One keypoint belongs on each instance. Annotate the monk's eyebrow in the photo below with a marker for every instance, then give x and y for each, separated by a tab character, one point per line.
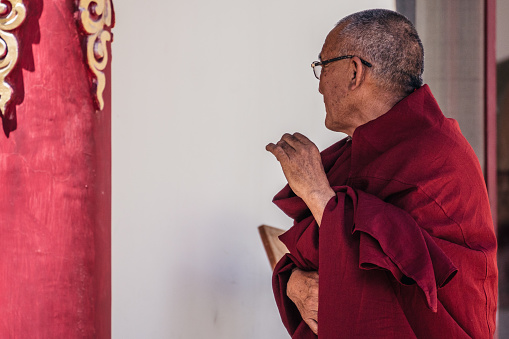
320	56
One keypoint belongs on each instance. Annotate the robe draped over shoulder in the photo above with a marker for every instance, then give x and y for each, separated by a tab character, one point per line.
406	248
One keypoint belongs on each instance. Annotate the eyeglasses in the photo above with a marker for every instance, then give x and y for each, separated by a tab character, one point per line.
317	65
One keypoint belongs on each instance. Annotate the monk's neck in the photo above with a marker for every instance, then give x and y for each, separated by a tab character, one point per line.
372	108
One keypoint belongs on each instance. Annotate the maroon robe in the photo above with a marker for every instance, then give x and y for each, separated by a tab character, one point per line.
407	247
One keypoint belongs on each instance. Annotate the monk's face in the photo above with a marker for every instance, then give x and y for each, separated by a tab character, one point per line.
334	81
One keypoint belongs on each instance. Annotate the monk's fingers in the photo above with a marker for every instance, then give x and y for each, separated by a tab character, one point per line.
311	304
298	141
277	151
302	138
302	145
313	325
289	150
270	147
291	140
311	318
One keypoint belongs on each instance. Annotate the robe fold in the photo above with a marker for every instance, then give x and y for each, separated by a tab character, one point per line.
406	248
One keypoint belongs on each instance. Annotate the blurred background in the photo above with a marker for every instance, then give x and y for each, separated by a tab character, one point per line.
199	89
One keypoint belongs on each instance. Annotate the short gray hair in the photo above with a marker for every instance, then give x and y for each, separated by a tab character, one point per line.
389	41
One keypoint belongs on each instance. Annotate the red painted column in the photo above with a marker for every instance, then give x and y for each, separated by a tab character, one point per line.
55	186
491	105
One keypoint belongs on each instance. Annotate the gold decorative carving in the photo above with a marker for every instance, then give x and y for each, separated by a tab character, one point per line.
12	15
96	18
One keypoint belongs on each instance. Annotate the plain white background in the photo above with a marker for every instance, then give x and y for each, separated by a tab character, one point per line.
199	88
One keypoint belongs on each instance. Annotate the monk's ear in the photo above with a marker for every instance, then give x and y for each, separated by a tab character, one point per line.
357	73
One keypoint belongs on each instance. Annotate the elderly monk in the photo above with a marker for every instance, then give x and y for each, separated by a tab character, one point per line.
392	234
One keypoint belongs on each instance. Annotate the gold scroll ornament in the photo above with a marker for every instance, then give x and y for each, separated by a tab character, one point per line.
12	14
96	17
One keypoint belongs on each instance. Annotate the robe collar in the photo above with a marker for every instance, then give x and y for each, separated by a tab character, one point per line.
411	116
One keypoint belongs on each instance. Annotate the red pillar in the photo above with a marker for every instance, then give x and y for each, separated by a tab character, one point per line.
55	185
490	102
490	107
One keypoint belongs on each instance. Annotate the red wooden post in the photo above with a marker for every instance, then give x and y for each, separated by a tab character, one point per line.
55	181
491	105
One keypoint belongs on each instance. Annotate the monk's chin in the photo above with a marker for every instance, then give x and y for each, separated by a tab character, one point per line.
328	124
331	126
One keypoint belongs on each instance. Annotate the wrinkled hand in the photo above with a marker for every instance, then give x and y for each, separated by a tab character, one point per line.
302	289
302	165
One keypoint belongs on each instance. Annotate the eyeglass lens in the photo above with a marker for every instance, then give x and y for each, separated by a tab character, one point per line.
318	70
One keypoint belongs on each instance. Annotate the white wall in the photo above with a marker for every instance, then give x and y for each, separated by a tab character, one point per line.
199	88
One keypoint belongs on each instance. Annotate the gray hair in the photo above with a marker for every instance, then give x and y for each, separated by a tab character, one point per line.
389	41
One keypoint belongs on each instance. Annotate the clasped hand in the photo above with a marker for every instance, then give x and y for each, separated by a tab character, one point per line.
302	289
